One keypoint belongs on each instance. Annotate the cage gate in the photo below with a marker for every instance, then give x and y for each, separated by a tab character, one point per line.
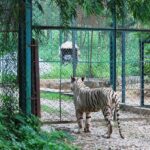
108	52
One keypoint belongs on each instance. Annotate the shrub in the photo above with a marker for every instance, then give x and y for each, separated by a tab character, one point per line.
20	132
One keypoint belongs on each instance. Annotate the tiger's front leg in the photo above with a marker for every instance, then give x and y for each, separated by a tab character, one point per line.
108	118
87	122
79	116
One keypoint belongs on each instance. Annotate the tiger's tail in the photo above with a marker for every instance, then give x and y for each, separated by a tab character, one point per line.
116	113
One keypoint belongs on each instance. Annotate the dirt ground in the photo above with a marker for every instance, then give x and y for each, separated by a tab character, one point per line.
136	129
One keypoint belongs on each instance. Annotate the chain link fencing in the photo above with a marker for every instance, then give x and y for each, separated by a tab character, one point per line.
91	59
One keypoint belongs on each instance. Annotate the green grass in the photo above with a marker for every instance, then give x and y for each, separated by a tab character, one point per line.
101	70
53	110
54	96
98	70
65	70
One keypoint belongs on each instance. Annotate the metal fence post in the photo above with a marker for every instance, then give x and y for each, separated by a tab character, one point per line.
111	57
142	72
114	45
123	48
88	54
25	21
28	54
60	72
123	68
21	57
74	49
36	110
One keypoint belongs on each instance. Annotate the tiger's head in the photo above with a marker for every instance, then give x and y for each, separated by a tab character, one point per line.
76	83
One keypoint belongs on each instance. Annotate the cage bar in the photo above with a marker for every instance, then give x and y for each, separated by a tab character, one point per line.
25	27
35	92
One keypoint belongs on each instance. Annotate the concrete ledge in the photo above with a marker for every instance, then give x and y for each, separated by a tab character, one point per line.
54	90
64	92
135	109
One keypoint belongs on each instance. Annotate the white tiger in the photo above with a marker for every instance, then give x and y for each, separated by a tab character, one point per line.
92	100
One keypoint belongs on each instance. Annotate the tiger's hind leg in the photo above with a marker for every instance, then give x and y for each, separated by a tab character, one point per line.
79	116
87	122
108	118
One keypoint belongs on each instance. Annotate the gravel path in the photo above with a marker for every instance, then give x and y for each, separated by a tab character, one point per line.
136	129
136	132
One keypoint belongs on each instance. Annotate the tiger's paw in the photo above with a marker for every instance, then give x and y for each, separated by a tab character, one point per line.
107	136
80	131
87	130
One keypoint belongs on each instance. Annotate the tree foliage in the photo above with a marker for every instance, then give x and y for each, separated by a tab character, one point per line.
139	9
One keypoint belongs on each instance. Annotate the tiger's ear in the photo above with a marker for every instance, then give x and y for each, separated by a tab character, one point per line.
82	78
73	79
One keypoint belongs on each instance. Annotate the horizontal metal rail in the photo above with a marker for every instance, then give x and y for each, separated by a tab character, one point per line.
94	120
83	28
119	62
88	28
